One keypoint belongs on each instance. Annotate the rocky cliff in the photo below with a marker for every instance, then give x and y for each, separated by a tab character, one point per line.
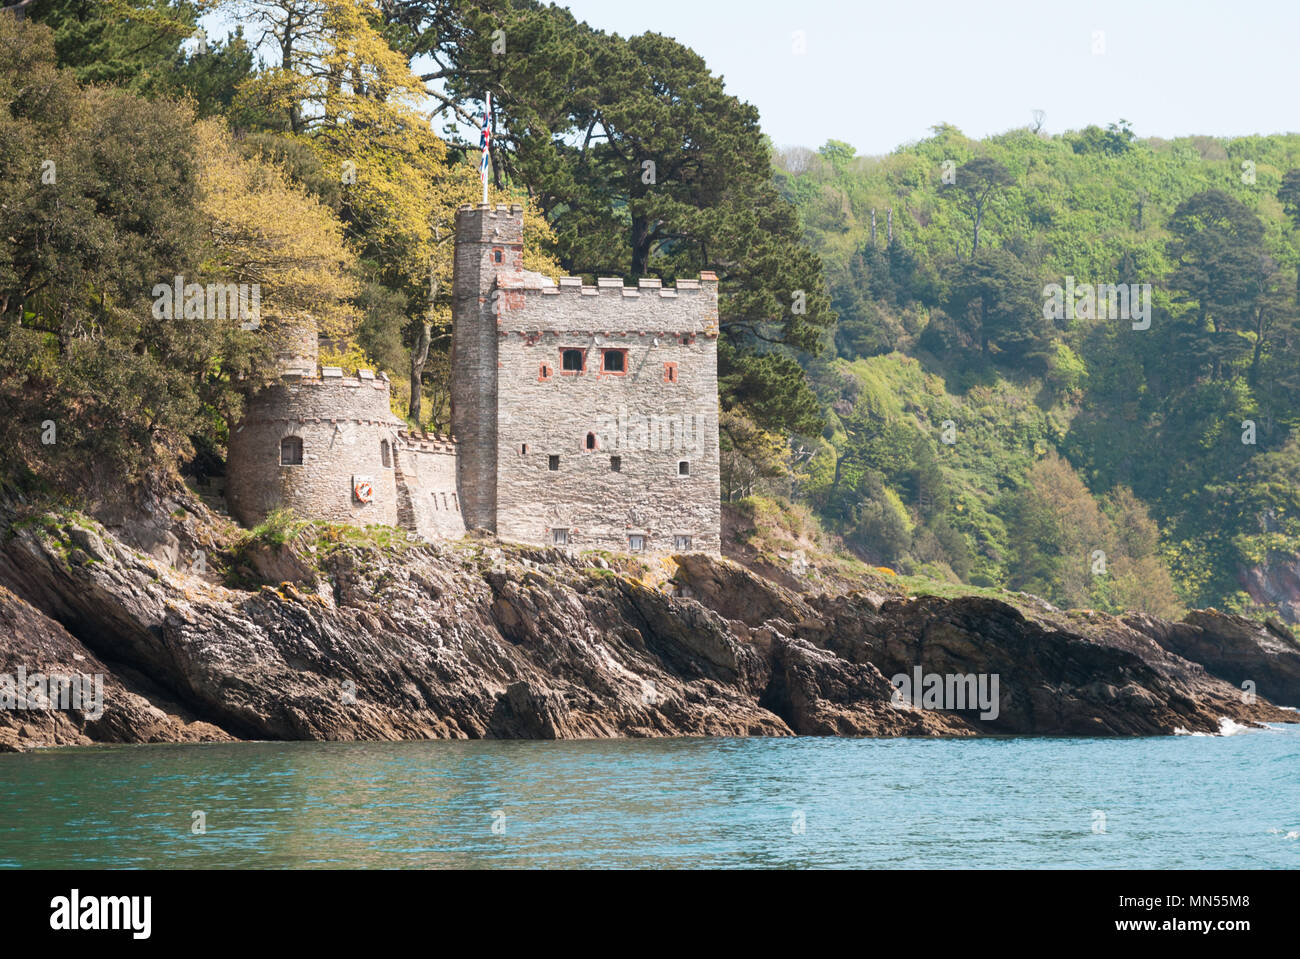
1275	583
321	632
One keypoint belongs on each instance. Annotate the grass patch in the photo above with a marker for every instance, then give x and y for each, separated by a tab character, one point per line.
276	530
924	586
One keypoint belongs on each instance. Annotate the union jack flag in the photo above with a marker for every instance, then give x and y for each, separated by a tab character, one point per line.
485	140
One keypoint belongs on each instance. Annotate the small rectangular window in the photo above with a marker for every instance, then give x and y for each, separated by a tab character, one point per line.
573	361
684	468
560	537
636	543
613	361
616	464
682	543
291	451
552	462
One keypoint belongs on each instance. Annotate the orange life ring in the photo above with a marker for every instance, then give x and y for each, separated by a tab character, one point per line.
364	490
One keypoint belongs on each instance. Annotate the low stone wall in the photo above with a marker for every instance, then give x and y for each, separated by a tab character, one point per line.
428	499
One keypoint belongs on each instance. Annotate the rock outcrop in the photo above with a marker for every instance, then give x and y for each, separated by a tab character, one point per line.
1234	649
342	634
1275	583
128	707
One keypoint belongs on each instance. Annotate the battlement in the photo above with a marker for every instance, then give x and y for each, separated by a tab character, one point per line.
507	209
483	223
425	442
333	376
330	399
687	308
608	286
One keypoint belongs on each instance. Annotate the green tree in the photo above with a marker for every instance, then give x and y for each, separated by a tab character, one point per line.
1115	140
772	386
873	443
100	207
1288	195
993	298
132	43
1216	243
209	74
977	182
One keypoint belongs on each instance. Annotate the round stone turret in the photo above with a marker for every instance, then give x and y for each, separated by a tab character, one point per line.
321	446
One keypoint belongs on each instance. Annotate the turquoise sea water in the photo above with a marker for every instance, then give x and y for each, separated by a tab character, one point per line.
1171	802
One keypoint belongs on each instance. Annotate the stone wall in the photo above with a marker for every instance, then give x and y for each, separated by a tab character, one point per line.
297	349
661	412
342	422
428	500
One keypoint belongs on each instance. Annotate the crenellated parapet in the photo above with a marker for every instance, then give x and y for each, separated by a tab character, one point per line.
609	307
425	442
328	398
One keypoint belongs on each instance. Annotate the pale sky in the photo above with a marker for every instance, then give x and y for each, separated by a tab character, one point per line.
879	75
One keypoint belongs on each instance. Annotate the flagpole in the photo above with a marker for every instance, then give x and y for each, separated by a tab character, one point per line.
487	162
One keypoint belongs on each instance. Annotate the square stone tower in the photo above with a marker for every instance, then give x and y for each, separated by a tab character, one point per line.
489	243
586	416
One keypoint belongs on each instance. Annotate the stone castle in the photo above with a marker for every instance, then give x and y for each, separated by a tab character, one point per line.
582	416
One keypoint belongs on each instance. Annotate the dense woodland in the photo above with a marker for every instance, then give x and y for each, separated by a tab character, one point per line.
902	382
1171	449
